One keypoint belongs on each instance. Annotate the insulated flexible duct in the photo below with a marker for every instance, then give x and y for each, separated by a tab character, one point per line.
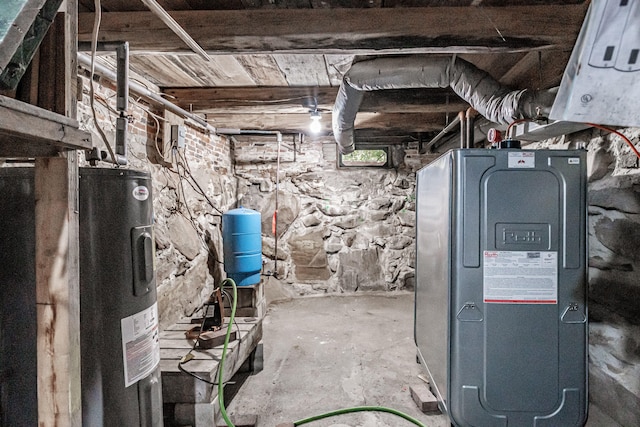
491	99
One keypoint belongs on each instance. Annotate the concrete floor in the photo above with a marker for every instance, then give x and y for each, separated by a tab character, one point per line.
330	352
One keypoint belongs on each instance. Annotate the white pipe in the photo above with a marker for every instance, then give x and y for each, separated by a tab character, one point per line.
176	28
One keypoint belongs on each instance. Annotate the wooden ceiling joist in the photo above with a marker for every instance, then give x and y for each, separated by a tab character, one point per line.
282	99
387	122
202	99
357	31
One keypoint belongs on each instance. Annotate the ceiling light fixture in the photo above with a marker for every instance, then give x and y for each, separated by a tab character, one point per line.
315	126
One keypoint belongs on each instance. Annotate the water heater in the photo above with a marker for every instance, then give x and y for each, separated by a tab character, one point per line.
120	383
120	347
501	289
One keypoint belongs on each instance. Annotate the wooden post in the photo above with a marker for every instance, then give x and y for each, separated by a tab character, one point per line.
71	59
57	292
57	266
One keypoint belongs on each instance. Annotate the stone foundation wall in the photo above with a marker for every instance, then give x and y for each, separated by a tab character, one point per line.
614	270
191	188
339	229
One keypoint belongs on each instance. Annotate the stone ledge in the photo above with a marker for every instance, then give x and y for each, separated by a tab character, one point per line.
614	372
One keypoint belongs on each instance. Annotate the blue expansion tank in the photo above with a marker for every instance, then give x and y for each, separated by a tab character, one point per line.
242	245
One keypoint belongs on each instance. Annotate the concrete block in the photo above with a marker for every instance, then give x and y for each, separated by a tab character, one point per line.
423	397
197	414
286	425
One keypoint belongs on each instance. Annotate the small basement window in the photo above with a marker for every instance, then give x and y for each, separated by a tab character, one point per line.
366	157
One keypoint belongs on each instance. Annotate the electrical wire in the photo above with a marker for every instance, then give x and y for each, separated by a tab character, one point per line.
627	140
254	101
513	123
157	119
184	195
94	48
359	409
186	357
200	191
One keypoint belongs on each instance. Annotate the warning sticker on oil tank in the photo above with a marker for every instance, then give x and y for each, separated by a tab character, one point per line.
140	344
520	277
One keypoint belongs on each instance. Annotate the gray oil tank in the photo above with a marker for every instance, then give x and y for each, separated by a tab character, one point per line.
501	286
119	314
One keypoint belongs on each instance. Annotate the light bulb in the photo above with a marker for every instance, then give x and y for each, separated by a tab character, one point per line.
315	126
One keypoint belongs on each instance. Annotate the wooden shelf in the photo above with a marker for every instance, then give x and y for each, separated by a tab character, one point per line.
195	402
30	131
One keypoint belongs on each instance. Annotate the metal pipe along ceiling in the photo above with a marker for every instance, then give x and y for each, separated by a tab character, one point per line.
490	98
85	61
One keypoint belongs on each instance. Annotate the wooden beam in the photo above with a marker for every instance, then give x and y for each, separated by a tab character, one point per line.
25	150
538	70
282	99
57	292
57	235
51	68
410	122
70	61
209	98
369	30
25	124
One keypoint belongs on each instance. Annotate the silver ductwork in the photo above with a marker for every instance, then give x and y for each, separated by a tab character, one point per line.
491	99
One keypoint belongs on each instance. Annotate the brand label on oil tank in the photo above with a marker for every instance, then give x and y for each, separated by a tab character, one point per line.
520	277
522	159
140	344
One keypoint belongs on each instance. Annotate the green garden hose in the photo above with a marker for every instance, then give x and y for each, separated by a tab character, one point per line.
359	409
223	410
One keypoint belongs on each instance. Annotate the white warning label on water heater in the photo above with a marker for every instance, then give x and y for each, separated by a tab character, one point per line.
520	277
140	344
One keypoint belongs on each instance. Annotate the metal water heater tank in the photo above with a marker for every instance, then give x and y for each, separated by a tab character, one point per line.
119	314
242	245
